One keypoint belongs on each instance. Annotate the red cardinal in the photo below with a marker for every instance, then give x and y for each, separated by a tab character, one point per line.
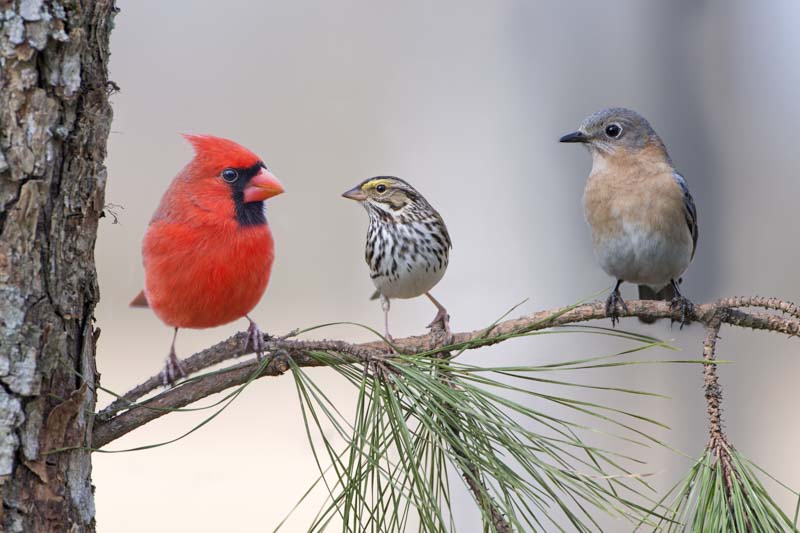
208	250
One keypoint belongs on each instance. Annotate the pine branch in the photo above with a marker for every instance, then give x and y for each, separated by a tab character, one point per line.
722	491
718	443
124	415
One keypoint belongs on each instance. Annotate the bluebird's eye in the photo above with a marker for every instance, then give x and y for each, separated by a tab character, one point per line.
613	130
381	188
230	175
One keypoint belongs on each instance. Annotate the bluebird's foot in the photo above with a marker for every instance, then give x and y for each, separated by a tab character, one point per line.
173	370
682	304
614	302
255	338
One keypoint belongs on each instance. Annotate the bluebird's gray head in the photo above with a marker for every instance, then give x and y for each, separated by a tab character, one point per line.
615	129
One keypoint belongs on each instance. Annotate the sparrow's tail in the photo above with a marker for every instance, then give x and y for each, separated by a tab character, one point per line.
646	293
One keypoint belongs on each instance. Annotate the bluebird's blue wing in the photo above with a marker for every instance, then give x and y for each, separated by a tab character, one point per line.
690	211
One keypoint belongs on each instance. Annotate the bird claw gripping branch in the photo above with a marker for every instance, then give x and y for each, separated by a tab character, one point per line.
255	338
686	308
614	303
173	370
441	322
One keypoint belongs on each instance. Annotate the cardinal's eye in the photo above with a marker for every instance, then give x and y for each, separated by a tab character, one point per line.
230	175
381	188
613	130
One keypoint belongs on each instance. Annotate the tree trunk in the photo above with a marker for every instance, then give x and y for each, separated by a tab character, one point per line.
54	124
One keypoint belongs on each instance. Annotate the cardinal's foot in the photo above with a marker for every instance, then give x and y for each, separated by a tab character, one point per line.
173	370
255	338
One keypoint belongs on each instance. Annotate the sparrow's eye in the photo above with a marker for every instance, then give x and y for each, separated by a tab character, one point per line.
230	175
613	130
381	188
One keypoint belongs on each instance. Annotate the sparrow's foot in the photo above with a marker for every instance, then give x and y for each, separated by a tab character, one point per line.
614	303
390	342
255	338
682	304
173	370
442	319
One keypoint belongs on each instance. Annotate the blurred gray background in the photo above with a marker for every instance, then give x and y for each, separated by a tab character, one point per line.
466	100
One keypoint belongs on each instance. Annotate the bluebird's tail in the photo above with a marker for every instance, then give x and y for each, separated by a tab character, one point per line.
646	293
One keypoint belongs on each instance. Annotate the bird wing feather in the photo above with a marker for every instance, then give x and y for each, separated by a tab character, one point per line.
690	211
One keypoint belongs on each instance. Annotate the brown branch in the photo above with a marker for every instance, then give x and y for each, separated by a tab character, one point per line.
718	441
759	301
713	391
111	424
478	488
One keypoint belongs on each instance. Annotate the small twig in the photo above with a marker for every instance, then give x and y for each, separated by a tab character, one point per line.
713	391
759	301
718	441
484	499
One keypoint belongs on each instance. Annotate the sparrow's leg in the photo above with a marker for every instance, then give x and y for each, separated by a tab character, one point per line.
385	306
173	369
614	302
441	316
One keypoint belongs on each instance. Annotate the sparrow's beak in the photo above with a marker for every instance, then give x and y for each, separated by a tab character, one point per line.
355	194
574	137
262	186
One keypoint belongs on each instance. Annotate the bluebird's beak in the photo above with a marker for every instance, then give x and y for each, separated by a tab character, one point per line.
574	137
355	194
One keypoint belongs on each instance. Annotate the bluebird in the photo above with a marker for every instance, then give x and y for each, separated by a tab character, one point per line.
641	214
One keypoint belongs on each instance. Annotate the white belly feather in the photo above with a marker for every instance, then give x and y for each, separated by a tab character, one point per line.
643	257
414	278
420	261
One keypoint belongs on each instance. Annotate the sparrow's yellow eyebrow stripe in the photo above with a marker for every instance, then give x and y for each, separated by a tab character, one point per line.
374	183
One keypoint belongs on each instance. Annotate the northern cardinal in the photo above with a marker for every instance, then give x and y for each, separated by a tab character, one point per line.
208	250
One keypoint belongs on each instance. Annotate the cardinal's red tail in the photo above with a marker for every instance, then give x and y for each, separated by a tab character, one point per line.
140	300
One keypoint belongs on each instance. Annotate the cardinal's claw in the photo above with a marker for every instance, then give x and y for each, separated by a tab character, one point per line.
173	370
255	338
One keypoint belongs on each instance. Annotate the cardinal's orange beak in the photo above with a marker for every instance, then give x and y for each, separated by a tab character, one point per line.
262	186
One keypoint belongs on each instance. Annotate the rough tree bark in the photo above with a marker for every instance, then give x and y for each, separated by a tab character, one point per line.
54	124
